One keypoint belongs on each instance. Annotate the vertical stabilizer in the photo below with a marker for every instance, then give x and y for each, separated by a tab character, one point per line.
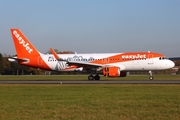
23	46
27	54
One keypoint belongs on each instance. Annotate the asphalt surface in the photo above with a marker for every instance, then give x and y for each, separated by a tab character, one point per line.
89	82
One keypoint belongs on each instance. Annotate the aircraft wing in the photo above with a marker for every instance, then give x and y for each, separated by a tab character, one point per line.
76	63
81	64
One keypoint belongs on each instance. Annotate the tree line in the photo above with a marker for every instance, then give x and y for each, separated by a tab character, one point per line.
12	68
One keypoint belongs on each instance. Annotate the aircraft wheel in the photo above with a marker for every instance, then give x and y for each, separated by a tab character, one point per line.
90	77
97	77
150	75
151	78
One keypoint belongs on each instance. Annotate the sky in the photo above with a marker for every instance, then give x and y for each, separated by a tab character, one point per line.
93	26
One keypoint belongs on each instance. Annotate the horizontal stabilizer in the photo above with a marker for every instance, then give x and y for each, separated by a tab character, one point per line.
15	59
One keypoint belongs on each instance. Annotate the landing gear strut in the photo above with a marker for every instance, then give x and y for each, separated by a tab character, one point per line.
150	75
96	77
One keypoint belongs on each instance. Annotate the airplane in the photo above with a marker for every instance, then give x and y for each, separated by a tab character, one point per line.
107	64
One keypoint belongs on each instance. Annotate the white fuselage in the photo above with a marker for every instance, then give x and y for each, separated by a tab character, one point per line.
125	64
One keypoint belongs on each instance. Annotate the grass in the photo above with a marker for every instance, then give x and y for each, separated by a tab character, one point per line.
84	77
90	102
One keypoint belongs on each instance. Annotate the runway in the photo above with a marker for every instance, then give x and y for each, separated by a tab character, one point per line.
89	82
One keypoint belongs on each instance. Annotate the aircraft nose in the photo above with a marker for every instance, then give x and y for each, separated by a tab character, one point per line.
171	64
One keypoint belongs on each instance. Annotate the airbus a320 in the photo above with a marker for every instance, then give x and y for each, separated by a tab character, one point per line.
108	64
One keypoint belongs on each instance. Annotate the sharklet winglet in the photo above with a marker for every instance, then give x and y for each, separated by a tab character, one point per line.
55	55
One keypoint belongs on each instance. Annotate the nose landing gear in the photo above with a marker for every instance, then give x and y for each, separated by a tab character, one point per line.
150	75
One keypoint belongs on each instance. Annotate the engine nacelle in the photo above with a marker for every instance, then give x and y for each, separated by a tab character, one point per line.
113	72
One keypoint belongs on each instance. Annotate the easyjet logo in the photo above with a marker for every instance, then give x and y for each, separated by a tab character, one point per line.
136	56
22	42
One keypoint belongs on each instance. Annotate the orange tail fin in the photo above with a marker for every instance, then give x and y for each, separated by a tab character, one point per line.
24	48
26	52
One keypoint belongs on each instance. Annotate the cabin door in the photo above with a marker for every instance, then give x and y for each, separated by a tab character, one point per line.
150	59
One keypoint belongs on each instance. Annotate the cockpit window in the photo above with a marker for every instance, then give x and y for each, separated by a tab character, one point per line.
163	58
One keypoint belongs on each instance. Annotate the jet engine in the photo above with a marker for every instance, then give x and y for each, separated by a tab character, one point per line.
113	72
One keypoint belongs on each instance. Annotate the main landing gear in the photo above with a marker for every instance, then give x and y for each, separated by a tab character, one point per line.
150	75
96	77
